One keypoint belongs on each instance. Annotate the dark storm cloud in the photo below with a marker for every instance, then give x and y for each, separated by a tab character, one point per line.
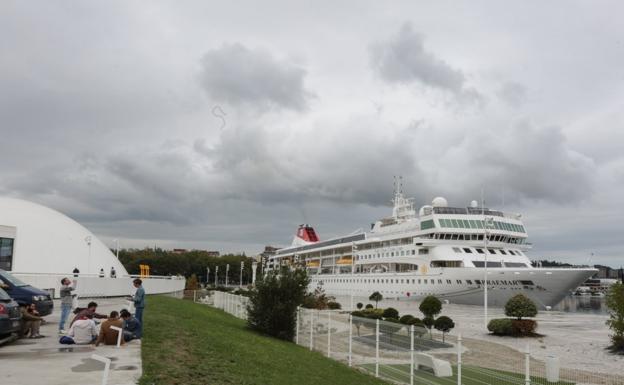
404	60
240	76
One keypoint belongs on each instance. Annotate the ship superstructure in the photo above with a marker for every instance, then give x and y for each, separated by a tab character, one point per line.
440	250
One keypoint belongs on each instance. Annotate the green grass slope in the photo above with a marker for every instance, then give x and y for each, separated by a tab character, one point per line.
188	343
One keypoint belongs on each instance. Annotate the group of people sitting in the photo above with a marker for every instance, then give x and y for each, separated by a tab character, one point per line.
83	329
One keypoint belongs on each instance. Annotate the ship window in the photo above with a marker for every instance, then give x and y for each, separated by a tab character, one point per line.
466	223
469	282
413	281
467	250
473	224
449	281
439	281
490	264
455	224
425	281
459	281
492	251
503	252
515	264
480	251
413	252
433	281
478	281
423	251
457	249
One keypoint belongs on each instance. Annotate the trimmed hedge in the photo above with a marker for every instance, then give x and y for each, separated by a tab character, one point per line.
500	326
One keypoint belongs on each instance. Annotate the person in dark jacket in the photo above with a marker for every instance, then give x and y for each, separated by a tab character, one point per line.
131	326
139	300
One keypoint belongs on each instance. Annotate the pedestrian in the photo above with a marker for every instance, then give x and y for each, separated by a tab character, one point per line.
102	275
113	273
139	300
131	326
67	300
76	271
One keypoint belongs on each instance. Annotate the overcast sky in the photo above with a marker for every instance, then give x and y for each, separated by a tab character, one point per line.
224	125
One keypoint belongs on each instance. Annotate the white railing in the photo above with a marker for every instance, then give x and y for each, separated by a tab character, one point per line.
407	354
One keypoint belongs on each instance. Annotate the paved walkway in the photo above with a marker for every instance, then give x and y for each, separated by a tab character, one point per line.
45	361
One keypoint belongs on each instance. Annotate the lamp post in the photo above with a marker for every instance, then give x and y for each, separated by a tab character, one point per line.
227	270
116	247
254	267
216	275
207	276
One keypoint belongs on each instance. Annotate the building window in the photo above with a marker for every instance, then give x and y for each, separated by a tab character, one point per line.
6	253
467	250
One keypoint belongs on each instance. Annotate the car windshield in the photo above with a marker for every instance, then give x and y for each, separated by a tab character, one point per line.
4	296
9	278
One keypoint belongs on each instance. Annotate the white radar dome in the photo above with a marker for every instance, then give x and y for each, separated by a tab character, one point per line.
474	204
439	202
425	210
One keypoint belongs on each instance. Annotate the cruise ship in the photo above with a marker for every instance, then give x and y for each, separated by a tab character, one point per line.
443	251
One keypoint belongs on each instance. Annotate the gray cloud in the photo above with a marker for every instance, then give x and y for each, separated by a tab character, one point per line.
404	60
240	76
512	93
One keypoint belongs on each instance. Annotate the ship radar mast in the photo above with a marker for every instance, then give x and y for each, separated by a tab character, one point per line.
403	207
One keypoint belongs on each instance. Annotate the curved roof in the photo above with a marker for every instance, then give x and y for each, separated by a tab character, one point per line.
47	241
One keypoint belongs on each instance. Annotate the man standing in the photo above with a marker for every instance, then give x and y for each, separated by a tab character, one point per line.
139	300
67	300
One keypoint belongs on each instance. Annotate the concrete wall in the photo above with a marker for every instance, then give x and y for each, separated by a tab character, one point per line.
94	286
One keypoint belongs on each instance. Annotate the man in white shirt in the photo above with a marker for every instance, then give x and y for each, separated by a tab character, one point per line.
83	331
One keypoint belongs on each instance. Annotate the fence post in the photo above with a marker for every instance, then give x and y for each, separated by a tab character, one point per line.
527	373
194	295
411	354
297	328
328	333
350	337
459	358
377	348
311	329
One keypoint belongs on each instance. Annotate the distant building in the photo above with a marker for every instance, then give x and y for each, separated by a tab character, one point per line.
212	253
269	251
179	251
209	252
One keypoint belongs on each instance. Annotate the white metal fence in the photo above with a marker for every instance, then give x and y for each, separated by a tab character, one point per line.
414	355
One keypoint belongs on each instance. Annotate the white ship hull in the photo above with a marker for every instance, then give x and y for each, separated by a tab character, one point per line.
547	287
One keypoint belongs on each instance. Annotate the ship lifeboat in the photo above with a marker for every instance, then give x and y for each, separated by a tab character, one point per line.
344	261
313	264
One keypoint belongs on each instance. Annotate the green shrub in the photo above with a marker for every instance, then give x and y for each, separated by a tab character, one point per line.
368	306
615	304
406	319
273	303
359	305
333	305
520	306
500	326
390	313
358	313
373	313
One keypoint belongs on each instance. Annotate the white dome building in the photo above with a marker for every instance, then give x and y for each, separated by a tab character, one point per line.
46	241
40	245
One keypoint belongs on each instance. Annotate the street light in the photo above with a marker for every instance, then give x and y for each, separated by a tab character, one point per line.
227	270
216	275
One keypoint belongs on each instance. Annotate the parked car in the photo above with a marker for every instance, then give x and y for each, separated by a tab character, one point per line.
9	316
23	293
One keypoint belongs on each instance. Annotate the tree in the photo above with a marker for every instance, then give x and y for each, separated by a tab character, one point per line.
615	304
430	306
368	306
191	283
444	324
428	323
376	296
359	305
273	303
520	306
